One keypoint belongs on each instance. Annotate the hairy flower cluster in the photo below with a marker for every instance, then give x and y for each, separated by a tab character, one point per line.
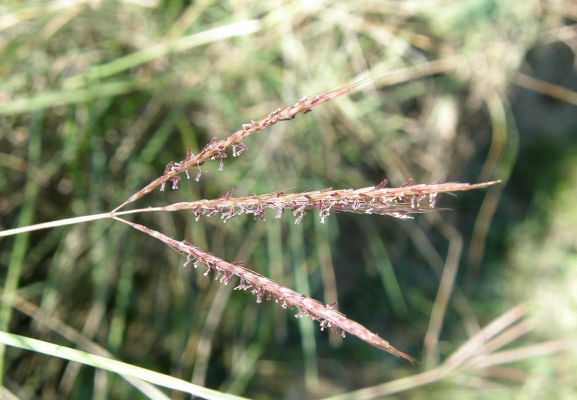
215	149
395	202
263	287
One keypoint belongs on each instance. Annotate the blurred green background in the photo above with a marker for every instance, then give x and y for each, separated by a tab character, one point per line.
97	96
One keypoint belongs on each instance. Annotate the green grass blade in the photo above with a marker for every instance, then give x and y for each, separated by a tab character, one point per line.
306	325
56	98
386	270
162	49
118	367
21	243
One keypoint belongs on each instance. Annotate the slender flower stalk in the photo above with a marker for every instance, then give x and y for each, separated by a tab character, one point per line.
395	202
263	287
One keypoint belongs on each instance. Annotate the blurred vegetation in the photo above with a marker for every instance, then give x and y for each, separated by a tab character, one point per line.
96	97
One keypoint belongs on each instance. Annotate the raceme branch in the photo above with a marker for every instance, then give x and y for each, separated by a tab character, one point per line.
263	287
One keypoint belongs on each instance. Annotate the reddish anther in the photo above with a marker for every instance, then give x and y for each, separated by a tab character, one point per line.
382	184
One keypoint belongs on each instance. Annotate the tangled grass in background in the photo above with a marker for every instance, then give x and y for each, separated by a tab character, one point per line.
96	97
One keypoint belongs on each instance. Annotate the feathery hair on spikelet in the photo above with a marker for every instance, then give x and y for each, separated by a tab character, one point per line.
395	202
215	149
264	287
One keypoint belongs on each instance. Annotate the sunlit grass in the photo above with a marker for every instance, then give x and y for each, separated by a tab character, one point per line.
96	97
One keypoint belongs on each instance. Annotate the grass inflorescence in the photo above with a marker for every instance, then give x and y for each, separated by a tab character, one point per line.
400	203
96	98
